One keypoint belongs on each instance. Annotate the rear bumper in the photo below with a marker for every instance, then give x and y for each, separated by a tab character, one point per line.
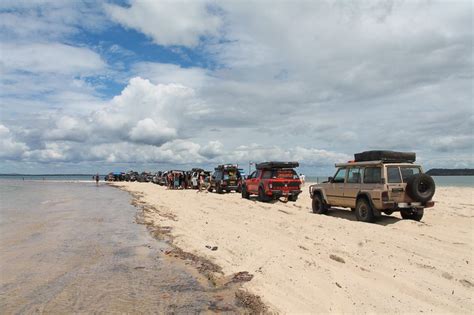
392	205
230	187
283	193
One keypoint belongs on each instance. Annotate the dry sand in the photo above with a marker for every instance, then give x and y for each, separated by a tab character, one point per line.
303	262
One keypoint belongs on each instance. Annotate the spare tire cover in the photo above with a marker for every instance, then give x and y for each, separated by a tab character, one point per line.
420	187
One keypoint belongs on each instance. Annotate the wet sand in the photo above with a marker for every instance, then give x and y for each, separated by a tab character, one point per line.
76	247
308	263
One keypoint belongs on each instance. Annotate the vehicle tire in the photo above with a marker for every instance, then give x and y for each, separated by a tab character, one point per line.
245	194
388	212
210	189
318	205
364	211
261	195
219	189
410	214
293	198
421	187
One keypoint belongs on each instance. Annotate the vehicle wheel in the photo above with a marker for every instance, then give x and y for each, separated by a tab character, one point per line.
210	189
318	205
421	187
219	189
292	198
261	195
227	191
388	212
245	194
364	211
412	214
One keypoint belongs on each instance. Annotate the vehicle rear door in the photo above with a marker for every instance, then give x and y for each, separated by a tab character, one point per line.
394	182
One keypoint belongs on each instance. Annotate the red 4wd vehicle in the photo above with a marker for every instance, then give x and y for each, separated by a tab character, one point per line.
273	180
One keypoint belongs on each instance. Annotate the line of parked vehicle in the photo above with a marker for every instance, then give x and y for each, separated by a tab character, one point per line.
375	182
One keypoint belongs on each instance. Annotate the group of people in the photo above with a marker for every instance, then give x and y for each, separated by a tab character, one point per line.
178	180
184	180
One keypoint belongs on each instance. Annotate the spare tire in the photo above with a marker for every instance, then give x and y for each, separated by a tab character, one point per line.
420	187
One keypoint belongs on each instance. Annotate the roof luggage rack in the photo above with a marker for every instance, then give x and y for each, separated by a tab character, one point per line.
274	164
385	156
226	166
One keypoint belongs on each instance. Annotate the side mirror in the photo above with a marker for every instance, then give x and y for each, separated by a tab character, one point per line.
330	178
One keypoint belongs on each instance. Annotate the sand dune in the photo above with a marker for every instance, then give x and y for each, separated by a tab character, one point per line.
303	262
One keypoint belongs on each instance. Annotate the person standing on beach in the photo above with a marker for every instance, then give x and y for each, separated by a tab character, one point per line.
97	179
302	178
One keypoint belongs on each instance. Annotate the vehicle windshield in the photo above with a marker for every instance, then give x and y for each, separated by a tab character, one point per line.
408	171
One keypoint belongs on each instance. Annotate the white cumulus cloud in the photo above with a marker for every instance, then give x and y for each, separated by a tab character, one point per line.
169	22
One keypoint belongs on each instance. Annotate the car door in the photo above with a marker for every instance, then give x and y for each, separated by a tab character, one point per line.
335	191
352	186
255	181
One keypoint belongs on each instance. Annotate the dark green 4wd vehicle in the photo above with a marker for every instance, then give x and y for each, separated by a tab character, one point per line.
226	178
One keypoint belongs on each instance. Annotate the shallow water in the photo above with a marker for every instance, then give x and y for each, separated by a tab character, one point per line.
74	247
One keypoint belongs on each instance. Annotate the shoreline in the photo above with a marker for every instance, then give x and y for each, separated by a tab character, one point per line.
206	268
296	257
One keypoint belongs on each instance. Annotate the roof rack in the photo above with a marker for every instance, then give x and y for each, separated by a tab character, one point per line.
226	166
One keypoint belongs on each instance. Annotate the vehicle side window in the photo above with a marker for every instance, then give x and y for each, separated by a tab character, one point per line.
340	176
252	175
354	175
267	174
372	175
393	175
259	172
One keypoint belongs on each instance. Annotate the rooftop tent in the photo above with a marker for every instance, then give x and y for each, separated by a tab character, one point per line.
385	156
275	164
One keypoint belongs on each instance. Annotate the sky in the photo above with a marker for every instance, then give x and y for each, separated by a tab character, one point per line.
98	86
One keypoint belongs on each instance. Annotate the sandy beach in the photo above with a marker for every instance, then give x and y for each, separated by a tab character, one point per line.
303	262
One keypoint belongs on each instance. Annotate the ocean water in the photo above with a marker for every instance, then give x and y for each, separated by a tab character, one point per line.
66	178
75	248
442	181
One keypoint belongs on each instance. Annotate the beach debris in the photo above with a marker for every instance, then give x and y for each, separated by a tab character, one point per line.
338	285
466	283
242	276
302	247
251	301
337	258
447	276
139	267
213	248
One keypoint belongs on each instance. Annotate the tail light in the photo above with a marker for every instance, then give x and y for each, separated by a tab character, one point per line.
385	196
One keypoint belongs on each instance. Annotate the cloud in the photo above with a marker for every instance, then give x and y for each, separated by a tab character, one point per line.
308	81
151	132
9	147
48	19
54	58
168	22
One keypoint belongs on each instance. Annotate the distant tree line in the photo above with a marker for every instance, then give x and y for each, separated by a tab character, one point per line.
451	172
